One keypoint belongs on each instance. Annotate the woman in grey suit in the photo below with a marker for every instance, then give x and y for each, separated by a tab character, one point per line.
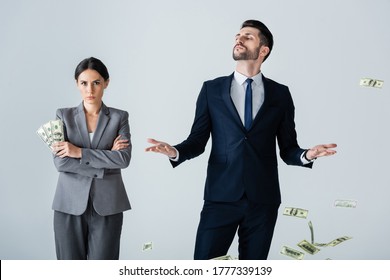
90	197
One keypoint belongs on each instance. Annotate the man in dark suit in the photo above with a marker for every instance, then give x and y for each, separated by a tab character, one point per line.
245	113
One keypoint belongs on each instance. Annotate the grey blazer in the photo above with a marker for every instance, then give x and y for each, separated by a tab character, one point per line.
98	173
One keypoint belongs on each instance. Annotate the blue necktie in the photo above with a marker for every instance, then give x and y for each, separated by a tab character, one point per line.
248	104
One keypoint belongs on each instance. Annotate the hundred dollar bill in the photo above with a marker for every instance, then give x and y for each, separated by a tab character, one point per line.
321	244
47	128
295	212
311	232
42	134
292	253
147	246
308	247
57	130
368	82
345	203
339	240
226	257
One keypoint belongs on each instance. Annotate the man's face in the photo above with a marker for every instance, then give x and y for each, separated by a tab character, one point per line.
247	44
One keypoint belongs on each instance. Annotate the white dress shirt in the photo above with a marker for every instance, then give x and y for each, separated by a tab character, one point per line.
90	137
237	93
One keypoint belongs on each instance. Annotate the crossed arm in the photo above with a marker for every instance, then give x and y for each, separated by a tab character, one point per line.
67	149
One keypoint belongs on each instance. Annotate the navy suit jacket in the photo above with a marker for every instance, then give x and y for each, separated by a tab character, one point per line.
242	161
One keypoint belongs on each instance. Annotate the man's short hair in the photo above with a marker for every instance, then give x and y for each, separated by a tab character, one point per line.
265	35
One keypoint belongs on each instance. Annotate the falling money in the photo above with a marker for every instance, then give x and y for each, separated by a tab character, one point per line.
333	243
368	82
311	232
339	240
226	257
295	212
308	247
345	203
147	246
292	253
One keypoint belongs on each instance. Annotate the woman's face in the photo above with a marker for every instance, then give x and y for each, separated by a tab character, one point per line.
91	85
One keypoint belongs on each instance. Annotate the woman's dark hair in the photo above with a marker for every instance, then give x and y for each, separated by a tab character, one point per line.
94	64
264	33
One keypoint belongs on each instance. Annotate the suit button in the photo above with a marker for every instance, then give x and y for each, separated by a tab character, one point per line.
87	163
95	175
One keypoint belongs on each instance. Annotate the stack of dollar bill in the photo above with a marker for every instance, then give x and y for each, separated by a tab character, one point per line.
51	132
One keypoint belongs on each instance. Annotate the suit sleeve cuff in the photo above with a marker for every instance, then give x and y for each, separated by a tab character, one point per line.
175	159
306	160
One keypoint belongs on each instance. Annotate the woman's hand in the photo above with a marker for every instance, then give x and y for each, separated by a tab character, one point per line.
119	144
66	149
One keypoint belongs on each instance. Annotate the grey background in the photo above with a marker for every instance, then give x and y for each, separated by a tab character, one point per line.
158	54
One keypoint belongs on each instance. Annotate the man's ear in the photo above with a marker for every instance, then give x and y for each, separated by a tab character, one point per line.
264	51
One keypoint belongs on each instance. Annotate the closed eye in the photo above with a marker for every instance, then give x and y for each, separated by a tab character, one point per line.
245	35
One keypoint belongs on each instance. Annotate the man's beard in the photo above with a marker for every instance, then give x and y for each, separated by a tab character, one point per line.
247	55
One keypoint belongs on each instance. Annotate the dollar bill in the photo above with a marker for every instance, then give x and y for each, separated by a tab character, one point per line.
47	128
57	131
42	134
345	203
292	253
311	232
308	247
226	257
148	246
337	241
295	212
368	82
321	244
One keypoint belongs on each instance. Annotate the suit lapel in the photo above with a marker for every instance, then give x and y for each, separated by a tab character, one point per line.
226	87
104	117
81	124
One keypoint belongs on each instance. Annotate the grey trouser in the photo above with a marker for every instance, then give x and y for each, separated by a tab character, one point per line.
88	236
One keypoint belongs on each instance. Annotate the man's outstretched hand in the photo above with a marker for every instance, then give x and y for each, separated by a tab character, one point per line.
161	147
322	150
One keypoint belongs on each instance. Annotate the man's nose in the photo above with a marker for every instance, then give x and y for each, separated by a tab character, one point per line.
239	40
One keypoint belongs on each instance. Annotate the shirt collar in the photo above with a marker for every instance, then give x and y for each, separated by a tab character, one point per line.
240	78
